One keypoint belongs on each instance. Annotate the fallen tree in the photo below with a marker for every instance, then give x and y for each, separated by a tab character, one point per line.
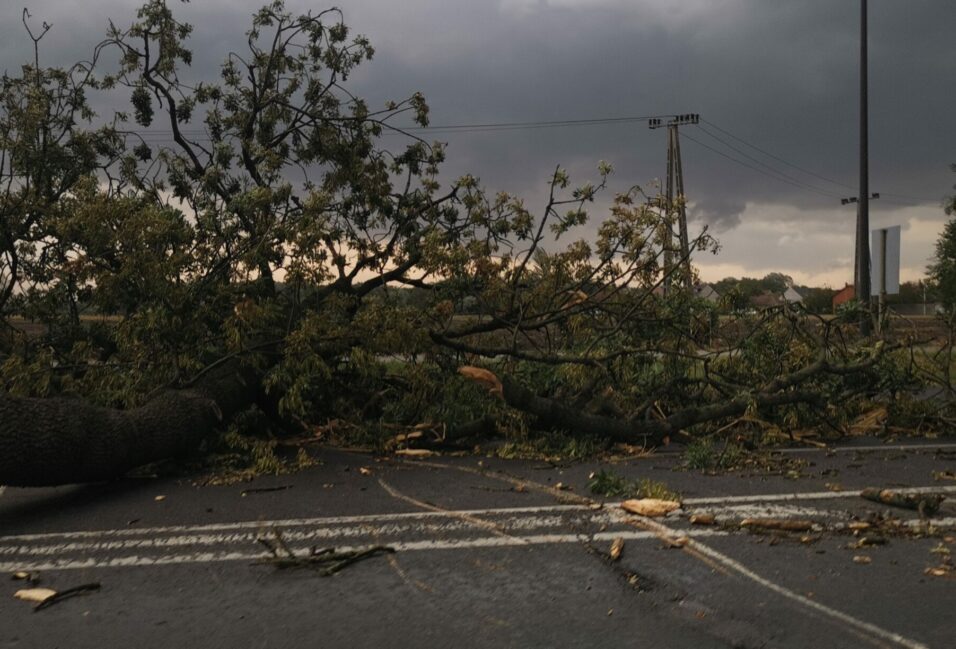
63	440
392	282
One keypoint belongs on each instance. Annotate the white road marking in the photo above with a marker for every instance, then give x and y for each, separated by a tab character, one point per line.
722	559
883	447
379	518
351	526
845	618
518	525
294	522
816	495
400	546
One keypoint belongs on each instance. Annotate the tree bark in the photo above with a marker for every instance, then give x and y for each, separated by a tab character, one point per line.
55	441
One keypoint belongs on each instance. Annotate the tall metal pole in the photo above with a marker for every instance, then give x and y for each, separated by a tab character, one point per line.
862	270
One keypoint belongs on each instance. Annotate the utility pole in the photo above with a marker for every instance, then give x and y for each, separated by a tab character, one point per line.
861	272
675	202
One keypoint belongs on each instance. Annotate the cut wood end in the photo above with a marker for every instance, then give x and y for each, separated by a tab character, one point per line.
483	377
651	507
703	519
38	595
415	452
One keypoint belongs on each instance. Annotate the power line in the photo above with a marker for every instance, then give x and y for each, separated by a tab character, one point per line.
200	135
449	128
774	170
778	158
761	171
802	169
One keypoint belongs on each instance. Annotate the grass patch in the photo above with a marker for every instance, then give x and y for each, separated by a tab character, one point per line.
611	485
704	455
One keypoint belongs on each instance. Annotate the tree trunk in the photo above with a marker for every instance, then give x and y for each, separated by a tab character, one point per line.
45	442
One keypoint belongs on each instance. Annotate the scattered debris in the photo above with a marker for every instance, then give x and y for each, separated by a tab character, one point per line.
415	452
782	524
925	504
651	507
364	470
944	475
46	597
562	487
862	559
870	422
703	519
33	578
262	490
36	595
868	542
940	571
617	548
326	561
677	543
159	498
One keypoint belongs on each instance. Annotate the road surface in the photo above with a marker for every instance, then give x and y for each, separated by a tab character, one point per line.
489	552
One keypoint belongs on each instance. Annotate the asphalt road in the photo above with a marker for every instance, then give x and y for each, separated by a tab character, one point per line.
488	553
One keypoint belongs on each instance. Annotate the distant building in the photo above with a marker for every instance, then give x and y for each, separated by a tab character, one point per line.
706	292
843	296
792	296
766	300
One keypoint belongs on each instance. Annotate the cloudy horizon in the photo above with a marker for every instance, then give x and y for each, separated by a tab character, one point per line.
783	78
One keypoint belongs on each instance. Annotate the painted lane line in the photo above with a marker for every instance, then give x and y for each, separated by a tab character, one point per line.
296	522
522	525
401	546
896	448
875	632
382	534
506	511
757	510
845	618
816	495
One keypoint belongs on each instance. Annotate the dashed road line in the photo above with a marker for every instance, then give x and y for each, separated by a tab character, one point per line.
400	546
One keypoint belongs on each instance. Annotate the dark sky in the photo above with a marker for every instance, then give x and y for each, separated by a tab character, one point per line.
779	75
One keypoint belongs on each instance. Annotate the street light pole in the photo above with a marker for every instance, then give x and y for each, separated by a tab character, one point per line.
862	269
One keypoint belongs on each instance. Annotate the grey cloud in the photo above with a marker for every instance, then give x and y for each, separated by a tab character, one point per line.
782	75
720	216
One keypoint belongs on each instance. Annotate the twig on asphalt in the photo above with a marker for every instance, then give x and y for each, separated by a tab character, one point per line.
326	561
66	594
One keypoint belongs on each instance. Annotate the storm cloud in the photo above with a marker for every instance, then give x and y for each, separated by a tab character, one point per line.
782	76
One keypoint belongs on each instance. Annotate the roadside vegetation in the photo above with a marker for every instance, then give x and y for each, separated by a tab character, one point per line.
271	264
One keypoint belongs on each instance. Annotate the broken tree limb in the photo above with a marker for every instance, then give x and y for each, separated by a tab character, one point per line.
59	596
554	414
324	560
782	524
54	441
925	504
